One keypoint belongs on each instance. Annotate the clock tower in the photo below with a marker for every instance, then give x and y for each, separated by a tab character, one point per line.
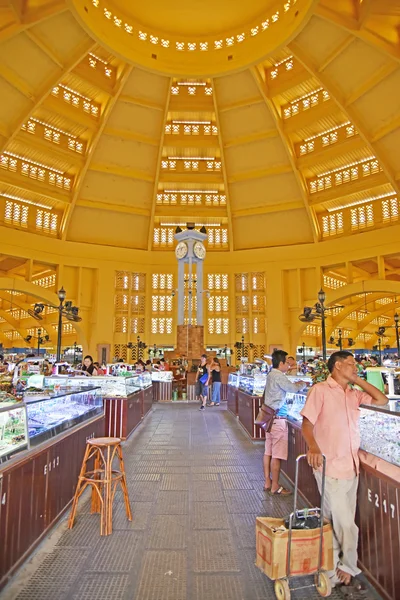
190	253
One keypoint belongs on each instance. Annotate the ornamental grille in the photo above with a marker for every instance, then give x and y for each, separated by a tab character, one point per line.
390	210
162	281
333	283
242	282
125	280
305	103
218	326
46	222
217	281
332	224
242	325
16	214
258	303
362	217
161	304
46	282
257	281
242	304
218	304
161	325
258	325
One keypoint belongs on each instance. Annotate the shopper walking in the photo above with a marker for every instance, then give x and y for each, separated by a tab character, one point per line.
202	381
331	427
276	441
215	371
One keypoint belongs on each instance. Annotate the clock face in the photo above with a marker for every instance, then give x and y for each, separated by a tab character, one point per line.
181	250
199	250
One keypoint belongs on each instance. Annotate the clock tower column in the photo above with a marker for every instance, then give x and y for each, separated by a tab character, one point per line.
190	251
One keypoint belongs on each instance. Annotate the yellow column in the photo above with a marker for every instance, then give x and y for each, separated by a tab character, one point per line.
277	316
101	330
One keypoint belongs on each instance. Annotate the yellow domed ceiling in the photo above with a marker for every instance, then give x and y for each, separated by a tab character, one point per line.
110	137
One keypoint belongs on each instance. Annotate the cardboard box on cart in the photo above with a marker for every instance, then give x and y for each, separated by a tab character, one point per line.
272	546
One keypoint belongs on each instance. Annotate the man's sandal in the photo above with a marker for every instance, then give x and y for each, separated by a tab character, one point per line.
356	589
281	491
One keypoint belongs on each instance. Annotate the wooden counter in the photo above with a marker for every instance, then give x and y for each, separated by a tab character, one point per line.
377	517
36	488
248	407
123	415
162	391
232	399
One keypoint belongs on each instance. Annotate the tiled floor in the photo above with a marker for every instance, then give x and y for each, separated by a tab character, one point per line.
195	484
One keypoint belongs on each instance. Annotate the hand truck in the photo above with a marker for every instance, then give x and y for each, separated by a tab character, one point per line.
322	583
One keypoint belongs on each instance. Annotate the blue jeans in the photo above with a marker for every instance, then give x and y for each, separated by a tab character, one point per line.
216	392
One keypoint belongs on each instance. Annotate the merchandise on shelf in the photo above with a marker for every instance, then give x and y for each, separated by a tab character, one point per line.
233	379
164	376
110	386
51	416
13	429
379	427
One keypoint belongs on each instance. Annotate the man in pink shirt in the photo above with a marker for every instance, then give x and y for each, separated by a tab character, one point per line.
331	427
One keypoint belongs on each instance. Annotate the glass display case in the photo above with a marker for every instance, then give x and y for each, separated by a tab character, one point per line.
110	386
50	416
233	379
144	379
379	427
254	386
13	429
162	376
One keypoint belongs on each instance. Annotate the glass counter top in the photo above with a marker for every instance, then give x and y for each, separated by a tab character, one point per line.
13	430
110	386
379	427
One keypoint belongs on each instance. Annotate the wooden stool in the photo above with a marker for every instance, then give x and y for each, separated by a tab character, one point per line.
103	479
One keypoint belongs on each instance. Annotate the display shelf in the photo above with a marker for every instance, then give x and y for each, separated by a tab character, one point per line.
13	429
379	427
62	411
110	386
163	376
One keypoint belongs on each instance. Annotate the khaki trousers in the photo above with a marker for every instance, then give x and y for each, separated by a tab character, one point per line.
340	508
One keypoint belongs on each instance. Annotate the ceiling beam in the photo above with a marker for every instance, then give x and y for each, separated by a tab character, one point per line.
267	209
128	172
224	168
349	110
379	76
260	173
288	146
352	26
32	18
30	185
141	102
348	189
46	90
125	134
336	52
252	137
158	166
244	103
50	53
91	150
120	208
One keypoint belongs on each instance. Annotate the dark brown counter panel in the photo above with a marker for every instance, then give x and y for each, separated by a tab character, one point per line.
248	407
162	391
123	415
147	400
378	516
35	488
232	399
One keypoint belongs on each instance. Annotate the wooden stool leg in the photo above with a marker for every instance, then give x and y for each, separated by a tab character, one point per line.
77	491
124	485
96	487
107	498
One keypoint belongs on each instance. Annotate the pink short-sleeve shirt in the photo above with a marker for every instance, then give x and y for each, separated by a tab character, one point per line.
335	414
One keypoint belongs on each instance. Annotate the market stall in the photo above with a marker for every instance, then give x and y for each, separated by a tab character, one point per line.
42	442
379	491
162	386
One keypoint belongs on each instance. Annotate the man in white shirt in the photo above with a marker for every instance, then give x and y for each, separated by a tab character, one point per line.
276	441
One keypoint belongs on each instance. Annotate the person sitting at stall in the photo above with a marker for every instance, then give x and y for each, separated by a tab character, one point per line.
149	366
88	366
100	370
164	366
292	370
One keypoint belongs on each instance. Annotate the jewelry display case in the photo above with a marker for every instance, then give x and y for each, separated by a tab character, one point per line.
379	427
233	379
144	379
61	411
13	429
253	385
163	376
110	386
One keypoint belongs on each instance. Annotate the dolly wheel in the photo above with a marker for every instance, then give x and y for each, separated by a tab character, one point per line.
324	588
282	590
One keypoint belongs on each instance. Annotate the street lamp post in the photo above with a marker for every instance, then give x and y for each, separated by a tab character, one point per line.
396	325
40	339
321	310
61	296
65	309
